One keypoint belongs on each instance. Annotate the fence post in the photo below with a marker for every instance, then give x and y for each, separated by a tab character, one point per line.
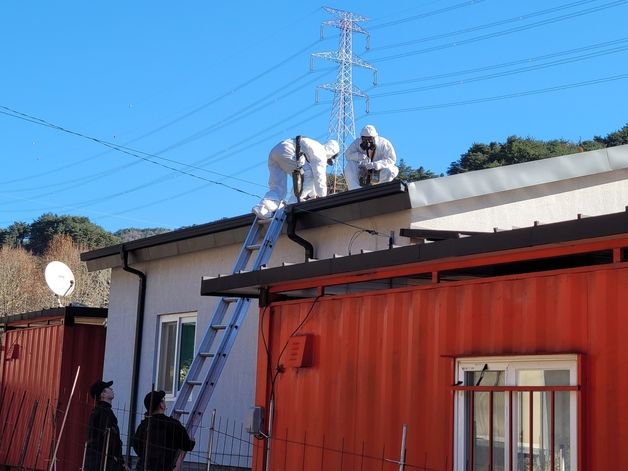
211	440
53	463
84	456
271	409
27	439
104	464
402	456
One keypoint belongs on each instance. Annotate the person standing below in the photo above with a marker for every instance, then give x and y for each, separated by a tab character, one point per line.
370	160
304	155
159	438
104	448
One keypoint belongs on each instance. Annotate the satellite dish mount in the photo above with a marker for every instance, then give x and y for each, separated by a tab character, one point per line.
60	280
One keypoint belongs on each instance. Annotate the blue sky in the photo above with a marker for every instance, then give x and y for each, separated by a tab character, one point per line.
198	92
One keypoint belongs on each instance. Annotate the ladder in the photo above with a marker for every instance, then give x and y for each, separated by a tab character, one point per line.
220	336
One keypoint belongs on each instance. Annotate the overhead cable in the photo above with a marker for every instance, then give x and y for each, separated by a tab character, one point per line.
503	32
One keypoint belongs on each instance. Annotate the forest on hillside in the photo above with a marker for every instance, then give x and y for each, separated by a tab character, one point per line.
25	248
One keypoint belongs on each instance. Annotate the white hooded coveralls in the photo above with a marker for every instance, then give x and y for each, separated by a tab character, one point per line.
282	162
384	159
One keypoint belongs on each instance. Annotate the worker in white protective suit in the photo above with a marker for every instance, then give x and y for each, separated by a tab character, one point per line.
302	159
370	159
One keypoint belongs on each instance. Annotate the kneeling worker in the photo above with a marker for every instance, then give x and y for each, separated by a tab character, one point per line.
308	158
370	159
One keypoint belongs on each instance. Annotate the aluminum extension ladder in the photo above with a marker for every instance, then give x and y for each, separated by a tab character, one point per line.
214	349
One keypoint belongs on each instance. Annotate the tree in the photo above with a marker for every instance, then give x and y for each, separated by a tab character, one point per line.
22	286
409	174
127	235
16	235
91	289
616	138
81	229
516	150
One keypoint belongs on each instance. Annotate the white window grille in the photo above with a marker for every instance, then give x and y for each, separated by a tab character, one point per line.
516	413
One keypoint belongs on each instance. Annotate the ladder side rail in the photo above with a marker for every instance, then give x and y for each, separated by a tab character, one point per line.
245	253
197	363
218	361
272	234
216	366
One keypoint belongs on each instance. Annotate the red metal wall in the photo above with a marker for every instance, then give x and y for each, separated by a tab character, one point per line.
40	380
385	359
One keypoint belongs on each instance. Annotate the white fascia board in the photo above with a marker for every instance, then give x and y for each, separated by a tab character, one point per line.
512	177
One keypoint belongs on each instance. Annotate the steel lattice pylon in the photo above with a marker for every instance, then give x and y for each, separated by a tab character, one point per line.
342	120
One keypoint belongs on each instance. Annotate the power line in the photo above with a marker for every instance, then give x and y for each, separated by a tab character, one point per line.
505	97
528	60
421	16
503	74
124	150
486	25
175	170
108	197
503	32
229	93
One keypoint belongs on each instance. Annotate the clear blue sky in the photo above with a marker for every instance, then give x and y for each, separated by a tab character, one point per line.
214	85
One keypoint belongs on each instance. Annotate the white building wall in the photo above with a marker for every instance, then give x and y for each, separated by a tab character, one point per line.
172	287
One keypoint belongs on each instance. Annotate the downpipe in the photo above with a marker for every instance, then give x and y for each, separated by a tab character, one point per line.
137	351
292	235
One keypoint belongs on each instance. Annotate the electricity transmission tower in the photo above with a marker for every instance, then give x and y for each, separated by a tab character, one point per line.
342	121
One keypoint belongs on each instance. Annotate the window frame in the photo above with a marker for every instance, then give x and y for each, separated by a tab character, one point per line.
180	319
511	365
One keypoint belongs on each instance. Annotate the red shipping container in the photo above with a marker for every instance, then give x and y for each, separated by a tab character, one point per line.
42	352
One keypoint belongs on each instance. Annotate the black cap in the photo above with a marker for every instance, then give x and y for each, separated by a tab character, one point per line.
98	387
152	400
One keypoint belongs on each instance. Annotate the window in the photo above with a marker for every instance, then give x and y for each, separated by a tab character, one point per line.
516	413
176	350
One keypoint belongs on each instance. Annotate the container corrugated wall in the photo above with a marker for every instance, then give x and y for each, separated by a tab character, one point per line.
35	391
385	359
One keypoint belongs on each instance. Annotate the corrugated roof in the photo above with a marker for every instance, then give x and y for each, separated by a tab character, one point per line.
68	313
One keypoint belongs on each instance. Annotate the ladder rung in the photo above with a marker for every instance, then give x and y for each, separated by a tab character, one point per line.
217	345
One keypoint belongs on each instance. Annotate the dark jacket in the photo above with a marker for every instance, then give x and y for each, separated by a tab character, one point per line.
103	422
158	439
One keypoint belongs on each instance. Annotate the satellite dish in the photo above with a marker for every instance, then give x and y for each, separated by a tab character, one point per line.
59	278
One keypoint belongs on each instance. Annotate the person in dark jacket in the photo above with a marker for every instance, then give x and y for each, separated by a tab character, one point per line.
104	447
159	438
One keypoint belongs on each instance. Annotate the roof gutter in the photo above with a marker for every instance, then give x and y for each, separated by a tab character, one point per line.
137	350
292	234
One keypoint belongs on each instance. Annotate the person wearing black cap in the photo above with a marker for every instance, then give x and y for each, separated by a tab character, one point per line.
104	447
159	438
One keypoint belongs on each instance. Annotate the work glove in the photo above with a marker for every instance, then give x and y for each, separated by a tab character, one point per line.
369	165
378	165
